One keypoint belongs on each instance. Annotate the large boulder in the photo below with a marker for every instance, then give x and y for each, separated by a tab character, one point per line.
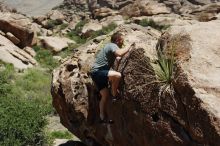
10	53
91	26
144	115
188	115
146	8
56	44
19	26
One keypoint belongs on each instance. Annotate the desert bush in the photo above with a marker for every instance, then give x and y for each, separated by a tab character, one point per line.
22	120
45	58
80	39
51	24
34	85
63	26
153	24
76	33
105	30
68	51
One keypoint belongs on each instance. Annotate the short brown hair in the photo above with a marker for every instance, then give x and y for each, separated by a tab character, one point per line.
115	37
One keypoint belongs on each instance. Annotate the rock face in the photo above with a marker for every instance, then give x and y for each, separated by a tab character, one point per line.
12	54
56	44
189	116
19	26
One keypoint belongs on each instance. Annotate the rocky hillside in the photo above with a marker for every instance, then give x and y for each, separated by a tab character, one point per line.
170	89
202	10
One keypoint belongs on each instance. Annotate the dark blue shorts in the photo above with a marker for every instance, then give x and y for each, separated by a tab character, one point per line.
100	77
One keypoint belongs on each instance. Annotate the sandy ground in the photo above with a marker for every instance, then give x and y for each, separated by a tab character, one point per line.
32	7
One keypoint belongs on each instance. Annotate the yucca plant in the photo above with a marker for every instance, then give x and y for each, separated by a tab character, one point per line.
164	70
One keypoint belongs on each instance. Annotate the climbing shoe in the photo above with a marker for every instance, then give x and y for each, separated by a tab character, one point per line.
106	121
115	98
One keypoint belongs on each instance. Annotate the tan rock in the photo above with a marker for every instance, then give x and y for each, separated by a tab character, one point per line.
118	19
92	25
146	8
12	38
104	12
57	44
204	63
2	33
49	33
56	15
30	51
18	25
10	53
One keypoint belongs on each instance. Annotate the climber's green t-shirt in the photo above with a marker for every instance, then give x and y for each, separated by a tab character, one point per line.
105	57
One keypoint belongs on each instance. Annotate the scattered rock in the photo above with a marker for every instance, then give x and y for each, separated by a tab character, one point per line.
103	12
56	43
12	38
10	53
56	15
19	26
146	8
30	51
118	19
2	33
91	26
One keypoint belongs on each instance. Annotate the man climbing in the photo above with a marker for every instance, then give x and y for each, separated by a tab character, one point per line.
101	73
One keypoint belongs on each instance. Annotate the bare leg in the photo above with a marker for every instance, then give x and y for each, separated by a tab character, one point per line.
103	102
114	78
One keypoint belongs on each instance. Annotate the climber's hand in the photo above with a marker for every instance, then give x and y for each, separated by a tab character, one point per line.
132	46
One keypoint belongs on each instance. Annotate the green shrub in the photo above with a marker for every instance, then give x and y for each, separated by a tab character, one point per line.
63	26
79	26
6	75
79	39
34	85
45	58
36	48
165	69
153	24
76	37
165	73
104	30
21	123
52	24
22	120
68	51
61	135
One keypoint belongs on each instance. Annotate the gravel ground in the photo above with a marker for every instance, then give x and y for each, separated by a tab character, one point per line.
32	7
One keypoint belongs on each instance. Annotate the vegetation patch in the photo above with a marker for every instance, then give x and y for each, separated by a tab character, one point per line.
45	58
170	51
51	24
103	31
153	24
22	119
63	26
68	51
61	135
77	36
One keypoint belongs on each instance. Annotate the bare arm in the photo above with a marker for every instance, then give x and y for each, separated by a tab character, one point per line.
118	59
122	52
